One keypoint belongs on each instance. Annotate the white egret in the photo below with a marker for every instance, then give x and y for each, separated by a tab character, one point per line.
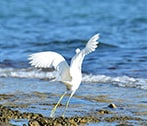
71	75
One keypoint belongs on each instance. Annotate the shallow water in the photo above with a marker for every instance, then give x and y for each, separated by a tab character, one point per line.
115	73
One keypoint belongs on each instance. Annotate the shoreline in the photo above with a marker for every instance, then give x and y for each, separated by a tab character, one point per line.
31	103
106	116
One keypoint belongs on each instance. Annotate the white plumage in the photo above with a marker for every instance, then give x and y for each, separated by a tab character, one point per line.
71	75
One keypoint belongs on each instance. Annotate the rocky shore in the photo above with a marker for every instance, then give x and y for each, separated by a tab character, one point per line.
34	119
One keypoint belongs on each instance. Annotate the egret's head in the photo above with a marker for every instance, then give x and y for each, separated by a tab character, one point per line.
78	50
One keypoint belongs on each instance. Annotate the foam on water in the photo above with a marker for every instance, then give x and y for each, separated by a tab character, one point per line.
26	73
123	81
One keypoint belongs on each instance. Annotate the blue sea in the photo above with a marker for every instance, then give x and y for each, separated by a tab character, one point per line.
28	27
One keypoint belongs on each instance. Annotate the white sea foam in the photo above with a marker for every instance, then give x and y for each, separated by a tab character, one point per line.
123	81
26	73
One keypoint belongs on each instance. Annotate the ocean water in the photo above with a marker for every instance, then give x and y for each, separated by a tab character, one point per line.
32	26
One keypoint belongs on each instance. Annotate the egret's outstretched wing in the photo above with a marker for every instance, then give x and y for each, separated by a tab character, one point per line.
91	45
51	60
78	58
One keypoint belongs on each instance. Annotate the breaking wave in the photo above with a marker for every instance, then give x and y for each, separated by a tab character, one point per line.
122	81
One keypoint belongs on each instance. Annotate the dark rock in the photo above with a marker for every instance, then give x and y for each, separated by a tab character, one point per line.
112	105
33	123
102	111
